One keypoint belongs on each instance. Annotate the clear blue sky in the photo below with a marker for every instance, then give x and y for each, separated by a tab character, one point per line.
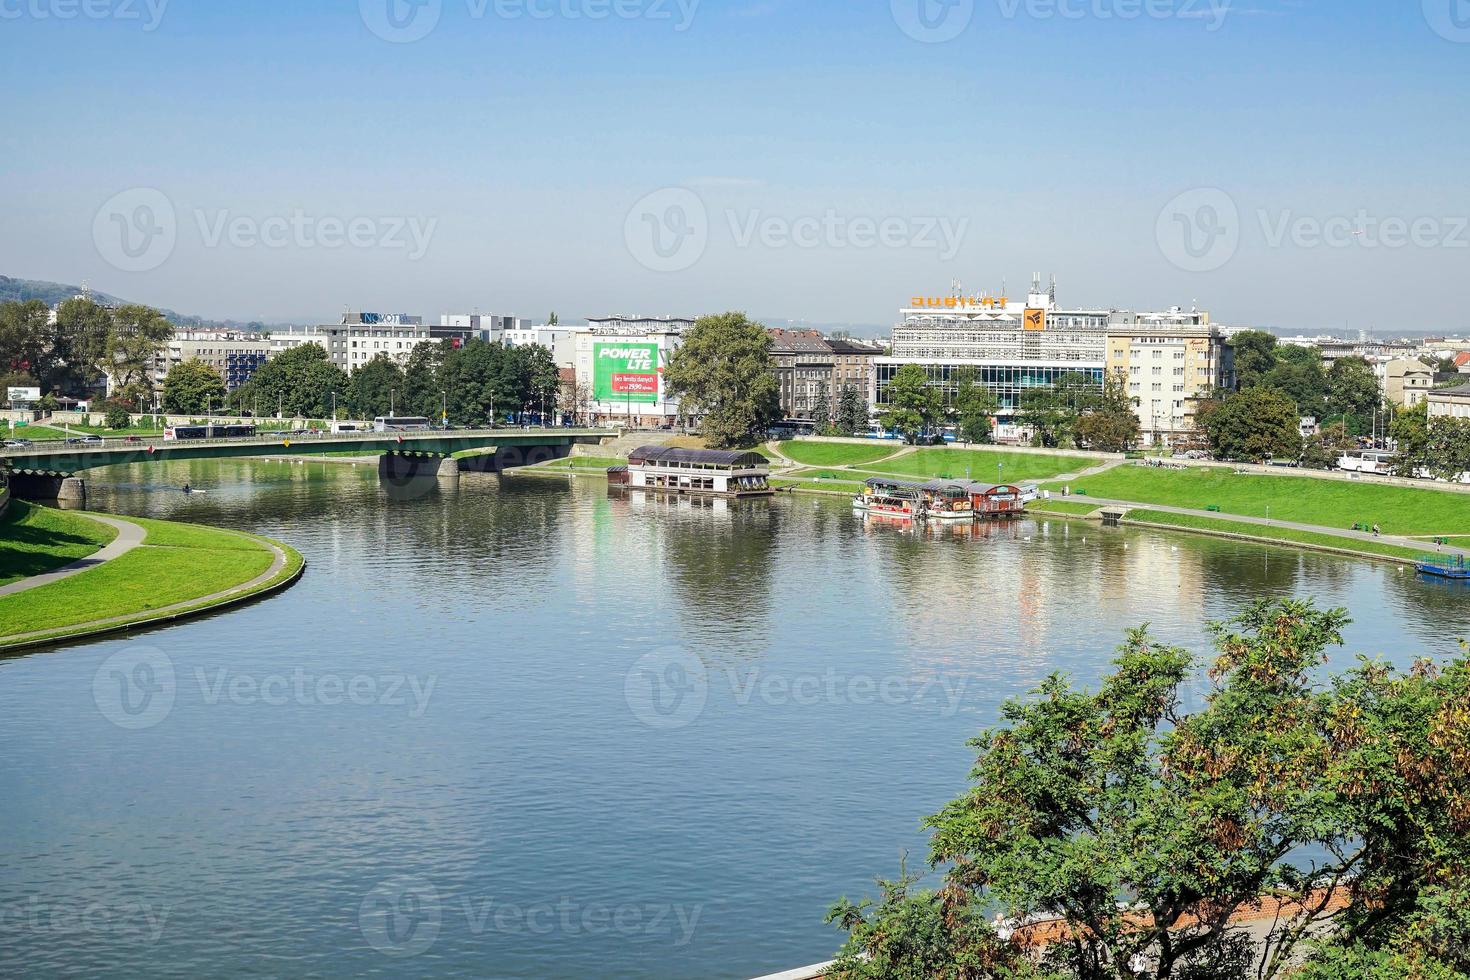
518	144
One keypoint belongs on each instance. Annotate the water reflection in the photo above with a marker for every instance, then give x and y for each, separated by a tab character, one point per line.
528	777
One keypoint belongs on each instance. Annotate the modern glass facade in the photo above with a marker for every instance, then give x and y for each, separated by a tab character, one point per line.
1007	381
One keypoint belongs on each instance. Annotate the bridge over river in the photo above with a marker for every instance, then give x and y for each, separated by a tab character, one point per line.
49	471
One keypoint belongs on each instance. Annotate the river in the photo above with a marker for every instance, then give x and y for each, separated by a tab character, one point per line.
526	728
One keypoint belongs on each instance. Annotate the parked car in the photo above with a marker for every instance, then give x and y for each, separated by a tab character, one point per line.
18	444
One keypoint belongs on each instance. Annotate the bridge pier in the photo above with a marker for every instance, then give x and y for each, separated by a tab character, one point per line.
67	491
396	466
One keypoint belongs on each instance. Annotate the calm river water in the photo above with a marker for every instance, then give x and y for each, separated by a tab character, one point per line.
524	728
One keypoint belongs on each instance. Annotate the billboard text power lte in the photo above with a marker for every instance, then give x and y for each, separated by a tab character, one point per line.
626	373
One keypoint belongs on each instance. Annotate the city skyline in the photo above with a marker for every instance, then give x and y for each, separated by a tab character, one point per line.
803	161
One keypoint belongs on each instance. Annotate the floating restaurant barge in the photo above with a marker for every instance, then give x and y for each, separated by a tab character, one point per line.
944	500
1444	566
694	471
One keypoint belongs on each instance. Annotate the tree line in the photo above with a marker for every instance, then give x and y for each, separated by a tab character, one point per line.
70	353
470	384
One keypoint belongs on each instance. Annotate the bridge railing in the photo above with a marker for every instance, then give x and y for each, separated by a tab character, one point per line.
142	443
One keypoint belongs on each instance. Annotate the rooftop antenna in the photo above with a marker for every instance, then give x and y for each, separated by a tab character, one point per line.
1051	290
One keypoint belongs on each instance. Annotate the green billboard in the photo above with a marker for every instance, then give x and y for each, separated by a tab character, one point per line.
625	373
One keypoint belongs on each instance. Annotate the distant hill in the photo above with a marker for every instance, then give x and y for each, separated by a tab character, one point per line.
52	293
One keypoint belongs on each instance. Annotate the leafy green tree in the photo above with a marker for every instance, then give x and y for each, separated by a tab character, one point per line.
852	411
1353	393
117	417
822	410
25	346
1410	432
422	391
1449	447
722	374
138	335
1254	424
914	405
1110	425
540	377
1255	356
82	333
1144	826
1299	375
299	382
975	407
192	388
1051	413
370	390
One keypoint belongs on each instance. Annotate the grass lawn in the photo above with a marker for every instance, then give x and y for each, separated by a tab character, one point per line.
1285	535
175	563
1329	503
37	539
827	486
582	463
1059	507
981	465
835	453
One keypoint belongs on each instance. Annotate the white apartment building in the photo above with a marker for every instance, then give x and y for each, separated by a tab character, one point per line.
235	356
557	339
489	327
1165	362
1450	402
359	338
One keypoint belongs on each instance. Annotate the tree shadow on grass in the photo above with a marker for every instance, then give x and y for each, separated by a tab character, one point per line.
27	550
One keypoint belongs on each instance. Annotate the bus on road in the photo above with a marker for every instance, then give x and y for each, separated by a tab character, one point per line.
401	423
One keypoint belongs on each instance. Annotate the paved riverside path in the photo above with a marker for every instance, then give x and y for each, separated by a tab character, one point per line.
144	616
1410	543
129	536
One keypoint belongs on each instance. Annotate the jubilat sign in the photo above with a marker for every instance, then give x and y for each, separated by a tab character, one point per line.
625	373
958	302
